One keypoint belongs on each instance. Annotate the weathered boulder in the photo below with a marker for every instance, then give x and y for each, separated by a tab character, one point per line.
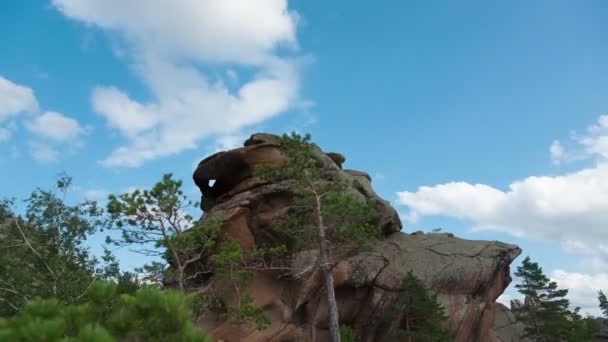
468	275
506	326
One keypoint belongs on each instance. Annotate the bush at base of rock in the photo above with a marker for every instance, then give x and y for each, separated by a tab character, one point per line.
151	314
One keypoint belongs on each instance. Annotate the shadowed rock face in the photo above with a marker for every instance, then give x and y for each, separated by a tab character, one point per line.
506	326
468	275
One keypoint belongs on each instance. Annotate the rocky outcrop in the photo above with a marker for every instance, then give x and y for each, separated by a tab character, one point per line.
468	275
506	326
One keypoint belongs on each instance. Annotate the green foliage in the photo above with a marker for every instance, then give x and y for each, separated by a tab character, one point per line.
418	313
151	314
324	214
581	329
347	334
548	317
229	269
42	253
348	220
150	216
601	297
155	223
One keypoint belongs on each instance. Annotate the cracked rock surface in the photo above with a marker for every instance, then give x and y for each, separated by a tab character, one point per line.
467	275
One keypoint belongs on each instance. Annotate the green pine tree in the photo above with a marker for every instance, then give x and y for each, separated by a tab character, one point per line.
418	313
150	314
601	297
547	315
324	215
581	329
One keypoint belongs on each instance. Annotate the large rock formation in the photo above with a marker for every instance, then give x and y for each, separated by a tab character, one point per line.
468	275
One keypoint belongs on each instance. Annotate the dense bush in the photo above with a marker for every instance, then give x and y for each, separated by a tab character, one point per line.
151	314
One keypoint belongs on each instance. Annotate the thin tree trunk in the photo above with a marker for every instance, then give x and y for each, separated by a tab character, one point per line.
332	305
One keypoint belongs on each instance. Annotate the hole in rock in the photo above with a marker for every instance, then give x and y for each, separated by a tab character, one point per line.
211	183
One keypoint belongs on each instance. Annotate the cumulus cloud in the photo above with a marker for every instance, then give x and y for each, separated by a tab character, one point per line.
569	206
582	288
15	99
168	43
55	126
50	132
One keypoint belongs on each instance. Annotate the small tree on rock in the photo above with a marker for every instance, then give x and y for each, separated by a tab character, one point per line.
418	313
324	216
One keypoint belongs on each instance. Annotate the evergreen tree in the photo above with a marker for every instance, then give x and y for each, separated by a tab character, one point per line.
150	314
546	316
581	329
418	313
601	297
324	216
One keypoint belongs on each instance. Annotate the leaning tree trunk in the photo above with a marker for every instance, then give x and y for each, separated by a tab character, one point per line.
332	306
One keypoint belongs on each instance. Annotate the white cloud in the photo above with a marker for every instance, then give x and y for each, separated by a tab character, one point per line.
168	43
43	152
552	207
55	126
557	152
582	288
230	141
592	144
596	140
595	264
411	217
15	99
576	247
505	299
51	130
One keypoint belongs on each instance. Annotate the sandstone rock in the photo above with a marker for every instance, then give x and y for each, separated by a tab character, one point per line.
262	138
338	158
468	275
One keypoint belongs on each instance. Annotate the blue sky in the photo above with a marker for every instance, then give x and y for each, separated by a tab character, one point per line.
484	118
